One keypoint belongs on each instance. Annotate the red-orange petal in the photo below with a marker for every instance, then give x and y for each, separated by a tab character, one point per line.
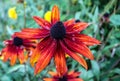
7	52
32	34
69	23
32	30
78	27
55	15
80	48
60	61
21	56
43	23
74	56
42	46
45	58
13	58
87	40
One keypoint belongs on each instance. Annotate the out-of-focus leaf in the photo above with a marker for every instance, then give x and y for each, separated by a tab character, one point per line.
15	68
95	69
86	75
5	78
115	19
116	70
9	30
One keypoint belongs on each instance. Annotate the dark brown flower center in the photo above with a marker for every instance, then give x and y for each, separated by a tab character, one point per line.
17	41
58	31
77	20
63	79
106	15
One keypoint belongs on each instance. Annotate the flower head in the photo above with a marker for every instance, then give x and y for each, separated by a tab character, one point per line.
71	76
58	39
47	16
12	13
15	48
106	17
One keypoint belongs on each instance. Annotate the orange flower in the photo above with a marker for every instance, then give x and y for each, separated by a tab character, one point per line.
71	76
58	39
15	49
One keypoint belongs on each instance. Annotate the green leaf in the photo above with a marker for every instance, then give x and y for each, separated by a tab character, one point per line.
115	19
15	68
5	78
95	69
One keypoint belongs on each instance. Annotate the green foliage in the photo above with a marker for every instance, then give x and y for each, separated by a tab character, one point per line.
105	67
115	19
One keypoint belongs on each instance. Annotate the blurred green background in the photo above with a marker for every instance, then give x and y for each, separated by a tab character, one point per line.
105	18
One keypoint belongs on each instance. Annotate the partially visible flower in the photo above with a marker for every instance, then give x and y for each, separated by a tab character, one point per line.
15	48
1	57
77	20
47	16
58	39
71	76
106	15
12	13
105	18
20	1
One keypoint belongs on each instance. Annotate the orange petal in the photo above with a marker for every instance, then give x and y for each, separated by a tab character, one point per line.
52	73
55	15
80	48
74	56
87	40
76	79
13	59
78	27
6	56
43	23
49	79
21	56
73	74
60	62
45	58
34	58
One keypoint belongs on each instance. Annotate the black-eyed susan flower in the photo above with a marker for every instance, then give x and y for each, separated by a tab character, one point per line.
15	48
12	13
47	16
58	39
71	76
106	17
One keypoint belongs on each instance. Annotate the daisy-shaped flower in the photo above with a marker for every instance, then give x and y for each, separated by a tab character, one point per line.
71	76
15	48
57	39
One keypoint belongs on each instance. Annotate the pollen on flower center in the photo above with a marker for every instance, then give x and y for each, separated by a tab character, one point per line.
17	41
63	79
58	31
